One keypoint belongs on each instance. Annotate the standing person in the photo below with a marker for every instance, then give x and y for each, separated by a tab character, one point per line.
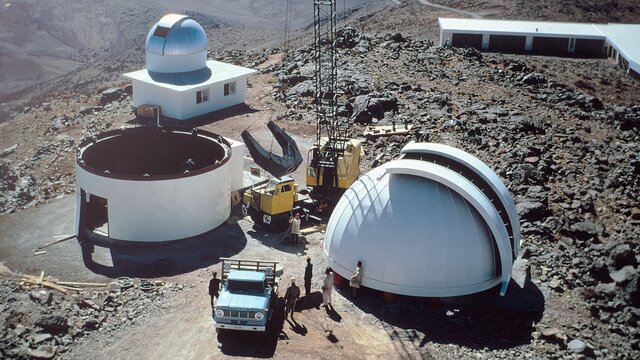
214	288
295	228
308	273
354	282
291	298
327	286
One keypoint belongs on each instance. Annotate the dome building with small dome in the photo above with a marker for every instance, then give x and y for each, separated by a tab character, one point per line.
437	222
179	79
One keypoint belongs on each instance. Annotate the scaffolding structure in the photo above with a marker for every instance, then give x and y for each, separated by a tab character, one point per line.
331	134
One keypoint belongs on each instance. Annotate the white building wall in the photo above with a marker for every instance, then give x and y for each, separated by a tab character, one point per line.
236	164
160	210
144	93
176	64
217	100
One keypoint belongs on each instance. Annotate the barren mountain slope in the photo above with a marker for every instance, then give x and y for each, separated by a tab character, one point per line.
563	134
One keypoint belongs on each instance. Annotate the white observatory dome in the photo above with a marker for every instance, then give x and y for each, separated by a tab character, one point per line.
426	225
176	43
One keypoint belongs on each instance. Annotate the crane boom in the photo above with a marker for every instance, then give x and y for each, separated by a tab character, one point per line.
327	167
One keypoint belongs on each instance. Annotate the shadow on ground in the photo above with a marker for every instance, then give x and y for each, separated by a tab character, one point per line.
166	259
279	241
206	119
478	321
255	344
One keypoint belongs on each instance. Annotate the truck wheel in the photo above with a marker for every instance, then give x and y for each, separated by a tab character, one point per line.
244	210
256	217
280	222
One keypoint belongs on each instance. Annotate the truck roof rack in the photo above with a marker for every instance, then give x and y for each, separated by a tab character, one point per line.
267	267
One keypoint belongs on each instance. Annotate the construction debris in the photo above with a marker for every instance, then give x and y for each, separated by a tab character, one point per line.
59	239
314	229
387	130
52	283
51	315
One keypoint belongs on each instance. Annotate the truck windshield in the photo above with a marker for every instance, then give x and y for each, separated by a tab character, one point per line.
236	286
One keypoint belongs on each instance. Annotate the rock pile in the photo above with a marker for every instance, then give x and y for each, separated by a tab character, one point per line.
571	159
41	323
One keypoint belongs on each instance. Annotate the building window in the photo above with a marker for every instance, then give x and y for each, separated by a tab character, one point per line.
229	88
202	96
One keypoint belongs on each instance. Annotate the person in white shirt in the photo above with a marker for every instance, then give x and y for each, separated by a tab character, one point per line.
355	280
327	286
295	228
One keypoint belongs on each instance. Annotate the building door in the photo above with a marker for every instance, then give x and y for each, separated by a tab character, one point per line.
94	214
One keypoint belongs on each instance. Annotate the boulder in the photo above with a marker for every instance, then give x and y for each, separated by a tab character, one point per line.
111	95
576	346
347	38
532	210
622	255
42	352
583	230
367	107
41	296
53	324
534	79
623	275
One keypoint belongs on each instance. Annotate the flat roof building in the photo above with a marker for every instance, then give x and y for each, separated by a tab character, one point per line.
616	41
179	79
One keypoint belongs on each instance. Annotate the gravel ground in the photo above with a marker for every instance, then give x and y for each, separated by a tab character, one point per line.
563	134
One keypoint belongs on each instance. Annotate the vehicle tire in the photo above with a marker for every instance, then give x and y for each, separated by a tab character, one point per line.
245	209
256	216
279	222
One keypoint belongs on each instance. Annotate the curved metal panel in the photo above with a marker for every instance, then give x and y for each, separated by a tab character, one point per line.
473	195
184	37
169	20
482	170
154	44
434	256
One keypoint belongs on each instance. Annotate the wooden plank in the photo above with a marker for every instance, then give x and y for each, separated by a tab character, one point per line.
68	237
42	252
313	229
59	237
74	283
54	286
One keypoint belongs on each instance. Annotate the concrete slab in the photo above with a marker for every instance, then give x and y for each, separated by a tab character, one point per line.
22	232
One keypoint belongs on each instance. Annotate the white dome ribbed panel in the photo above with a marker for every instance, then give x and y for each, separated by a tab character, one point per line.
474	164
420	230
184	36
176	43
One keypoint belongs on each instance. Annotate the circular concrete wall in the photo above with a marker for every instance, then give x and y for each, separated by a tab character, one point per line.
153	184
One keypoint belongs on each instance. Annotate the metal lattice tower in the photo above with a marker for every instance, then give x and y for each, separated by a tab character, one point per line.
326	84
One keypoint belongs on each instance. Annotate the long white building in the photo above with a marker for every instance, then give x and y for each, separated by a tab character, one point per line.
620	42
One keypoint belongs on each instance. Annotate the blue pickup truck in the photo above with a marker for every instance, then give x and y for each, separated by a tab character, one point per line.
248	296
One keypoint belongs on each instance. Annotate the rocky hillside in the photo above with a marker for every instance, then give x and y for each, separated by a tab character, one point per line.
563	134
568	150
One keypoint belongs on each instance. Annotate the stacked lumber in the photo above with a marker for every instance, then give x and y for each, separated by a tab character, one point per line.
53	283
313	229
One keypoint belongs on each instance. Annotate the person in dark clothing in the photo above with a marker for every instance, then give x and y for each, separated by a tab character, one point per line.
308	273
290	298
214	288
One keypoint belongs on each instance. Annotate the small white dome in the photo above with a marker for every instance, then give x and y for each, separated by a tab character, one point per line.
176	43
420	229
